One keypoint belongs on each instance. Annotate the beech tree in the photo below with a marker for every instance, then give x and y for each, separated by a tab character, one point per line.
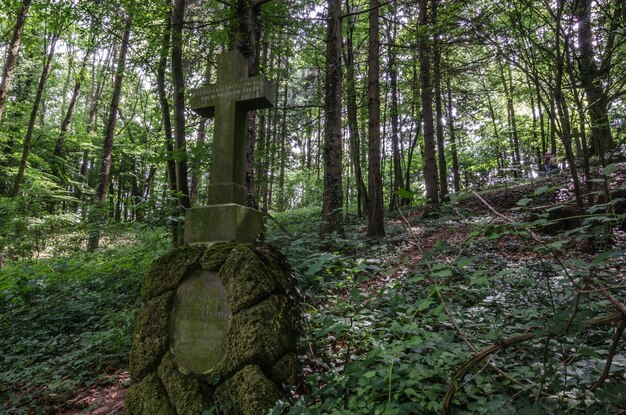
332	210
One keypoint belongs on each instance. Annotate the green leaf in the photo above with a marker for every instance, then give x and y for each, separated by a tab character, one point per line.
370	374
610	169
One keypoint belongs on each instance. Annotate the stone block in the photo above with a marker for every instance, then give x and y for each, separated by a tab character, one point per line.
148	397
223	223
186	392
248	392
150	335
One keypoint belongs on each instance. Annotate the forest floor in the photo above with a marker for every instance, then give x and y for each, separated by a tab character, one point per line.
494	305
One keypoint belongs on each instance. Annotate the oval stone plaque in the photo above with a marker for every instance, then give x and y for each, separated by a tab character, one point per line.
199	323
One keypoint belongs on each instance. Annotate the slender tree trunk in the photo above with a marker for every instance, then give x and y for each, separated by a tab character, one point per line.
245	38
107	147
33	115
375	223
589	73
196	174
332	210
398	182
513	138
13	50
453	146
69	114
441	154
418	129
562	109
167	123
353	122
178	82
430	163
283	146
165	106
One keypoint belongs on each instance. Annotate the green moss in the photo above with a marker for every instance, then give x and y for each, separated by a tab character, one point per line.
216	255
248	280
167	271
147	397
285	371
248	392
150	335
186	392
259	335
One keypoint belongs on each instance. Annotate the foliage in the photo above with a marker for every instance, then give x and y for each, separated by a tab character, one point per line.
385	333
66	323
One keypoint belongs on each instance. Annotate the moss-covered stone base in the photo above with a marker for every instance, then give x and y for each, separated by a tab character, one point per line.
260	359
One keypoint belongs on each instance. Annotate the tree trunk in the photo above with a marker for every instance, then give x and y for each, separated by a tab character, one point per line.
375	223
196	174
178	82
283	146
107	147
332	210
13	50
430	164
353	122
165	106
589	73
69	114
398	182
246	35
441	154
33	115
453	146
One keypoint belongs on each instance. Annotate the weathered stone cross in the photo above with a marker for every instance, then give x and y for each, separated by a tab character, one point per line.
229	100
226	218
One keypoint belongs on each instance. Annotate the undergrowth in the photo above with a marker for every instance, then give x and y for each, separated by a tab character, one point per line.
66	322
390	322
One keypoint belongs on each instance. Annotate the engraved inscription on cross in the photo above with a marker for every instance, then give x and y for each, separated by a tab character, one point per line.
228	101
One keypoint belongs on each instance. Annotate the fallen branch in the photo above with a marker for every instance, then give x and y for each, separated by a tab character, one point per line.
511	341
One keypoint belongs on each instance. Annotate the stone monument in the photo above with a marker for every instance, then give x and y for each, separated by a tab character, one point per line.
226	218
219	322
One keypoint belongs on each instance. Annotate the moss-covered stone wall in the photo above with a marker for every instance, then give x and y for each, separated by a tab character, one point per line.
260	359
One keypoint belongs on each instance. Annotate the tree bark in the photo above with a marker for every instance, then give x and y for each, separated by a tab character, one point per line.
246	35
178	82
375	223
453	146
590	77
353	122
430	164
196	174
332	210
441	154
165	106
398	182
13	50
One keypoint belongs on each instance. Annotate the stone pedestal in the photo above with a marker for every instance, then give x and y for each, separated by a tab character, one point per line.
217	330
222	223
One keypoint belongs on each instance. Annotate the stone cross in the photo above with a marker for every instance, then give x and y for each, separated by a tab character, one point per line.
228	101
226	217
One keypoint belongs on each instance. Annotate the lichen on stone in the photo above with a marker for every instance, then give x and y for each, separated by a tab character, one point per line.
216	255
259	335
247	279
150	335
186	392
167	271
148	397
285	371
248	392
